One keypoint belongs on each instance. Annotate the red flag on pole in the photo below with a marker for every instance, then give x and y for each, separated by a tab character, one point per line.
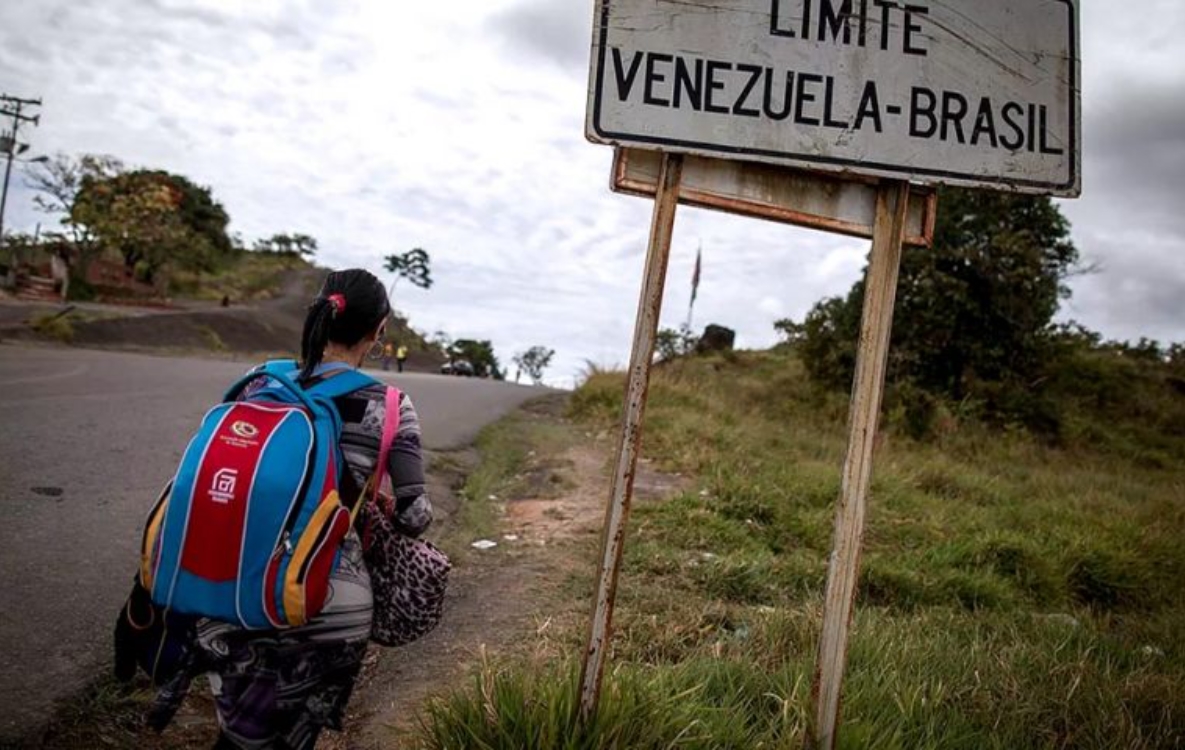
695	275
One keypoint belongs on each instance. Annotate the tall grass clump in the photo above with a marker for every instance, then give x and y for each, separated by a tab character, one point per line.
703	703
56	326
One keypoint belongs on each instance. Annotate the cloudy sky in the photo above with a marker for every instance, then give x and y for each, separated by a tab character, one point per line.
458	127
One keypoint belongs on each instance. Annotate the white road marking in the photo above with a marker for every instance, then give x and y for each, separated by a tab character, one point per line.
80	369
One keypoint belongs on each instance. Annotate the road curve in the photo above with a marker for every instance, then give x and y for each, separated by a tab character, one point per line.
87	440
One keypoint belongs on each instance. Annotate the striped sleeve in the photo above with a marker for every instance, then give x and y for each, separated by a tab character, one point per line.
362	415
405	464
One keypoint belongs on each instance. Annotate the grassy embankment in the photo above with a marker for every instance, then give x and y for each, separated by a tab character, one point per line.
251	277
256	277
60	326
1013	594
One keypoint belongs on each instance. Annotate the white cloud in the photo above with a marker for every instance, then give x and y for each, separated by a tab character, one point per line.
458	127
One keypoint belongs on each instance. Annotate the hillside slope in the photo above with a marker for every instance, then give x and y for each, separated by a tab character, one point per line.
1013	594
269	326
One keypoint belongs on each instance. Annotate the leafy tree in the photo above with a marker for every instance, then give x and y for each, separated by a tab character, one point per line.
56	184
534	361
149	218
295	245
480	354
671	343
1175	355
153	219
792	333
442	341
134	216
1145	349
974	310
21	247
414	265
202	215
826	339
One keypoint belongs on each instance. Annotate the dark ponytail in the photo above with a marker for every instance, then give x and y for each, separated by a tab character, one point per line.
350	306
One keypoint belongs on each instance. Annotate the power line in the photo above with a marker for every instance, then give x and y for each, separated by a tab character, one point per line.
13	107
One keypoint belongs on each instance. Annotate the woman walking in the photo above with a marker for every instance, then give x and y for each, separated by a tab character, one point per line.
281	688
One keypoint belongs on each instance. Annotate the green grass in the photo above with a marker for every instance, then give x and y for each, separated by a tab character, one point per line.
56	326
985	682
213	341
250	277
1013	594
106	713
60	326
643	708
520	457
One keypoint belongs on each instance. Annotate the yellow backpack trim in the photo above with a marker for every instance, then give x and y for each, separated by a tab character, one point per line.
151	534
294	590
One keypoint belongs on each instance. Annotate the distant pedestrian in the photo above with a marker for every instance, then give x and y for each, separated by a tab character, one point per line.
388	353
59	265
401	356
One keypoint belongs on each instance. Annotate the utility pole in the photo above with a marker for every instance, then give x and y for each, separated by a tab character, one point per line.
11	106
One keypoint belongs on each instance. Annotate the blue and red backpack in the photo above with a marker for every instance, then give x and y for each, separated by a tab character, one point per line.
250	529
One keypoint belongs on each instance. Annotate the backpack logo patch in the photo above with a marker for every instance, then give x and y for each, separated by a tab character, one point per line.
222	488
245	430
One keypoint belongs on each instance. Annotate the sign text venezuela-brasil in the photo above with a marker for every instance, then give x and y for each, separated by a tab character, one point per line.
883	94
955	91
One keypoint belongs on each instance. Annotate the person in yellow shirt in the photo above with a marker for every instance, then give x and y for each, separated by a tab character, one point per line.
401	356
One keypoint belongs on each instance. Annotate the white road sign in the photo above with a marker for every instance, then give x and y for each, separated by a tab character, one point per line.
970	92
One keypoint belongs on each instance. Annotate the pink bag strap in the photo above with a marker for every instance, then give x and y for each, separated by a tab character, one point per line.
390	429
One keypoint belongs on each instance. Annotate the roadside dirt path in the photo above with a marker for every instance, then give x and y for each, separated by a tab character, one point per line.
499	599
507	599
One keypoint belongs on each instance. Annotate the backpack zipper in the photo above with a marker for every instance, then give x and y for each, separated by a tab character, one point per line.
317	541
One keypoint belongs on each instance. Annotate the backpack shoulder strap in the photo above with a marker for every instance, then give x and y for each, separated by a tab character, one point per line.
281	371
284	371
391	404
342	382
390	430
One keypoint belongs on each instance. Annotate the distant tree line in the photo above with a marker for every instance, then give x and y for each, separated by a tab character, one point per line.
973	325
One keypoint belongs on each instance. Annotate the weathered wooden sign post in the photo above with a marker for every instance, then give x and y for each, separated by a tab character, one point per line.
821	113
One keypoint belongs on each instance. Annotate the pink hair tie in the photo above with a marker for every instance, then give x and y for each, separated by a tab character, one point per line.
339	303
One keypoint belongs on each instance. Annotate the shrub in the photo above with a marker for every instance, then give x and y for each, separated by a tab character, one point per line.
973	311
56	326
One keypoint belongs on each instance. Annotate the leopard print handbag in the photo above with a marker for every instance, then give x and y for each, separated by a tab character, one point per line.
408	576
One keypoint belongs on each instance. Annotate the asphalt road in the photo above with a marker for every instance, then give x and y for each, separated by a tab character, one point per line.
87	439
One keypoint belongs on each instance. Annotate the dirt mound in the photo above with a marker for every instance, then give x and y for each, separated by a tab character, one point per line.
267	328
246	331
